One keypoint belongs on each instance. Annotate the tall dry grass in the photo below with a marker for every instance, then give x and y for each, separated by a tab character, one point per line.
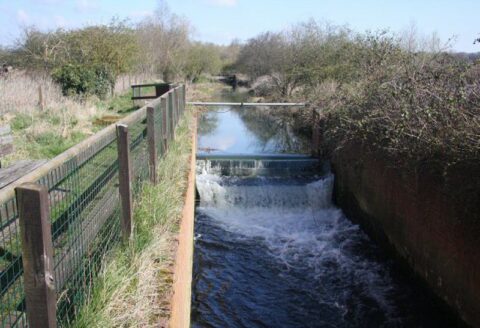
45	131
19	91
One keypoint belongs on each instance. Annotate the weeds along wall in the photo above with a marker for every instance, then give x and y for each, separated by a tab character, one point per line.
85	208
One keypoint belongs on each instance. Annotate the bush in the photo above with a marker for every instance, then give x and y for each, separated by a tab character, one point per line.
413	104
412	107
80	80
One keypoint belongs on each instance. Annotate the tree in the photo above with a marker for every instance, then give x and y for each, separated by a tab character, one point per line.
304	55
108	50
202	58
37	50
164	38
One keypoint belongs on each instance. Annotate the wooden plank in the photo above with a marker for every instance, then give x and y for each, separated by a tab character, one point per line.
125	179
148	85
152	144
17	170
182	281
37	249
144	97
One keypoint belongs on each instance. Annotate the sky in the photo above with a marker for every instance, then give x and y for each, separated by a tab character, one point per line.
220	21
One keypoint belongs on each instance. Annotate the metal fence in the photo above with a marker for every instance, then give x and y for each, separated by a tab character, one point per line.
86	211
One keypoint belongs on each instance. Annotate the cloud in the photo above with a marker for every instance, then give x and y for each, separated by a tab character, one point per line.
223	3
22	17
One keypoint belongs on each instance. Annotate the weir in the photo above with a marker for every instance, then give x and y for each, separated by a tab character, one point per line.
257	164
272	249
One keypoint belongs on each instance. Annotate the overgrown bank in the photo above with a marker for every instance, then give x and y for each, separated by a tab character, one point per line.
134	287
402	95
43	134
400	119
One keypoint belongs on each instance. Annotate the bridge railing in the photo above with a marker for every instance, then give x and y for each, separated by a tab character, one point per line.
58	222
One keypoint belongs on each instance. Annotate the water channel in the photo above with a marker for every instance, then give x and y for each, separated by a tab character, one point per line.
272	250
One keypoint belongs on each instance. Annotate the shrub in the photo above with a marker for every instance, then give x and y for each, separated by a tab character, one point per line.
79	80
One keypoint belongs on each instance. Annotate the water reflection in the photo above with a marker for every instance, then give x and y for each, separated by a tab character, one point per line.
249	130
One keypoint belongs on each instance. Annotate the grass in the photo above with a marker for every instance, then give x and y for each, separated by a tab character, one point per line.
46	134
64	121
133	288
206	91
121	104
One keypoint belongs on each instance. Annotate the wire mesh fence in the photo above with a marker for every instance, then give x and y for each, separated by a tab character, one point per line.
85	209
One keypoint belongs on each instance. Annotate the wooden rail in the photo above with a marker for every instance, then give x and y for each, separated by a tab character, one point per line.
160	89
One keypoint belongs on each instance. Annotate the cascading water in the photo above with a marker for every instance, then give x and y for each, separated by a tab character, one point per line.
272	250
275	252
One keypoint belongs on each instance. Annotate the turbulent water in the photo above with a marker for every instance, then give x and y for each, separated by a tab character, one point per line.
275	252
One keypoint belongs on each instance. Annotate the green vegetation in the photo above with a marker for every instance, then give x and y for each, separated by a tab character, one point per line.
44	135
202	58
120	104
49	144
76	80
133	288
89	60
82	61
399	95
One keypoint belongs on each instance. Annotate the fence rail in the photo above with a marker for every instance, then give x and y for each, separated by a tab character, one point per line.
79	203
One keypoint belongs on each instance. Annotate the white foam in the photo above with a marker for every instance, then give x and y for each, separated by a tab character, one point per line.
300	227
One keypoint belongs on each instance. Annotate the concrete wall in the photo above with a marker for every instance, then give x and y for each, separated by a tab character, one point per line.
430	220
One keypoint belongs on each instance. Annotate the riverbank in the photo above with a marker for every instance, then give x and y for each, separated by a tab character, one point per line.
134	288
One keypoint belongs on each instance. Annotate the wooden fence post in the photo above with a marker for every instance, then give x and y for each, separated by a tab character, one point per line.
315	151
164	109
37	255
124	179
152	143
184	98
41	99
171	120
177	104
174	110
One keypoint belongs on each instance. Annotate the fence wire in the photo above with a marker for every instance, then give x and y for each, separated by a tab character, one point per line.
84	214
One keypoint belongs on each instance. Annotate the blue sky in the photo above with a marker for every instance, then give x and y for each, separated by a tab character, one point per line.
222	20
